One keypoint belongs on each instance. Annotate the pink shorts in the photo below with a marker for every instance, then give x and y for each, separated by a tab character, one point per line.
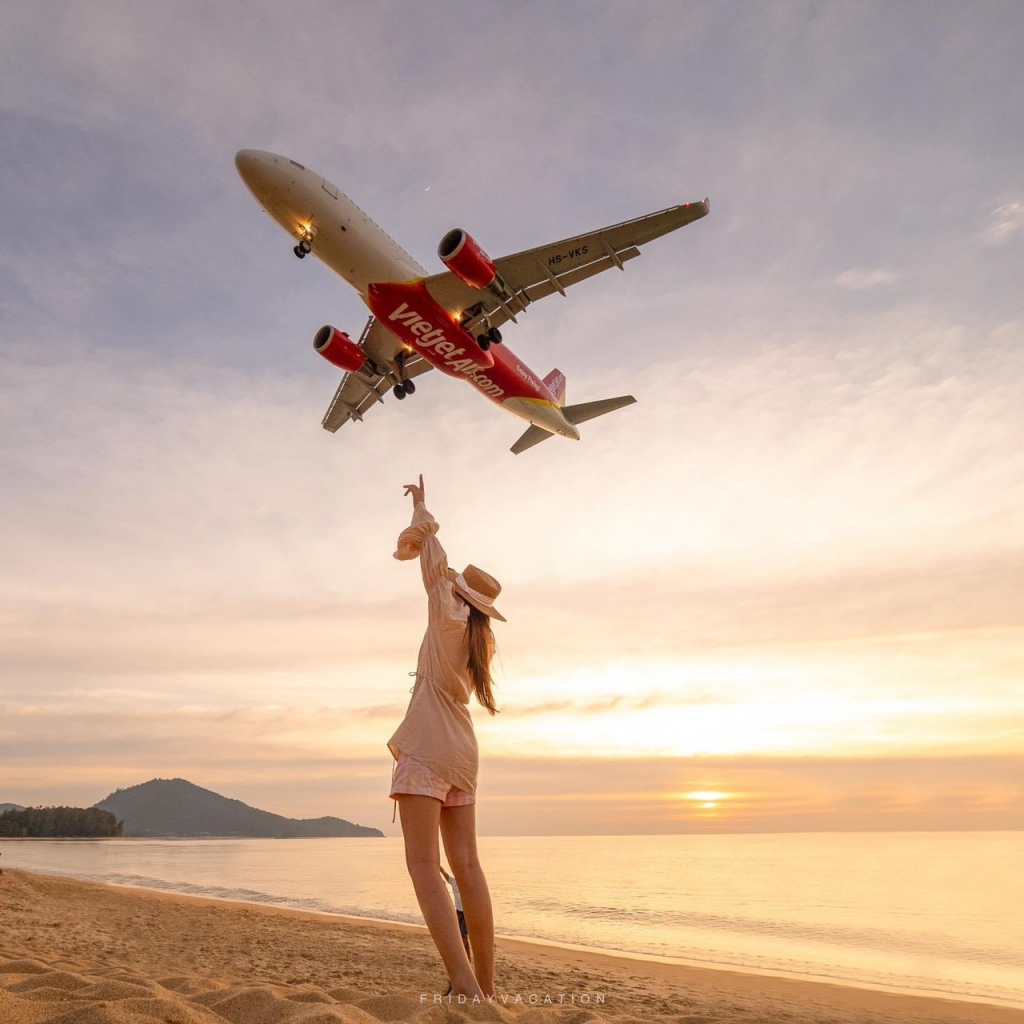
414	778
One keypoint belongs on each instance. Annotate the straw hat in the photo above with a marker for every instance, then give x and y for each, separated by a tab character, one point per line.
477	587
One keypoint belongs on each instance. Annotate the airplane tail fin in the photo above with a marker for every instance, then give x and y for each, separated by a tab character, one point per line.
575	414
555	382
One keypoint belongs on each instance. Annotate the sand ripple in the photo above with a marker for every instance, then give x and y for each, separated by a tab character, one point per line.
77	953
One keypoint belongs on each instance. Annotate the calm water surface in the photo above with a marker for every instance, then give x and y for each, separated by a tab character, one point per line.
938	913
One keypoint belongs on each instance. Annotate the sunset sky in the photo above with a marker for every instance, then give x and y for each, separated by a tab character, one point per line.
783	591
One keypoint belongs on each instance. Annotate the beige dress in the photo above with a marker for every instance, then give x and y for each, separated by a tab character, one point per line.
437	729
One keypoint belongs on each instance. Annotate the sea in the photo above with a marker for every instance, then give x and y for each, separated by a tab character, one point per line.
931	913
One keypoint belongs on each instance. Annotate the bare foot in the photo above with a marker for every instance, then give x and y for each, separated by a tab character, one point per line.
471	992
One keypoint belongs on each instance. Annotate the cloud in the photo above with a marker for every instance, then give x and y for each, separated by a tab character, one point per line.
759	795
808	502
827	522
859	280
1004	222
528	795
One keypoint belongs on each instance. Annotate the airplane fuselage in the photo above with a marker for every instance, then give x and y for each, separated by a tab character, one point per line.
391	283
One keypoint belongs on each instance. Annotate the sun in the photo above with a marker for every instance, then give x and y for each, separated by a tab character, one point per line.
706	799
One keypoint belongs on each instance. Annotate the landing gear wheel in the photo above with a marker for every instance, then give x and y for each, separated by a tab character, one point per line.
305	246
483	341
408	387
398	391
299	252
494	335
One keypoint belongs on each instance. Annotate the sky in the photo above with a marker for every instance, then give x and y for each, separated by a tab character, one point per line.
784	591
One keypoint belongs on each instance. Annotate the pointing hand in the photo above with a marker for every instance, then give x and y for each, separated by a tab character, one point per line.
415	491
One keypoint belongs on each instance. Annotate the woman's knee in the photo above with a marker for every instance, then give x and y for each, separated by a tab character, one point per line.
420	861
465	865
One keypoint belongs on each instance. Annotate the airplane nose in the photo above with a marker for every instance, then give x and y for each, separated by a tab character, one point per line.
247	160
259	171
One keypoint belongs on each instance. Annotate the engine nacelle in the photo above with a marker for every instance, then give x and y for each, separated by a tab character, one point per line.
338	348
460	253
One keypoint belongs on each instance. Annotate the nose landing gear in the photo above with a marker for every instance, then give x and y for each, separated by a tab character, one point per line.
305	246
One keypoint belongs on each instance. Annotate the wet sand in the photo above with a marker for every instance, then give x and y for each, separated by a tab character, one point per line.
81	953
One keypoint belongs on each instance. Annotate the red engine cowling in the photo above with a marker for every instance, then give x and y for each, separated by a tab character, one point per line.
460	253
338	348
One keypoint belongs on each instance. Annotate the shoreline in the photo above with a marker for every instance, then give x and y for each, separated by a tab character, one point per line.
56	921
527	943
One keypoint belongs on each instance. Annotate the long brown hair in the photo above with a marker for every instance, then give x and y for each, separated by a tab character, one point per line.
480	647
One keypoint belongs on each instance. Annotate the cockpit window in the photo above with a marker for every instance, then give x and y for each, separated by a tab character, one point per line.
297	164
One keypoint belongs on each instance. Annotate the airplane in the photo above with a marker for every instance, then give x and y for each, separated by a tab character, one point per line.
450	321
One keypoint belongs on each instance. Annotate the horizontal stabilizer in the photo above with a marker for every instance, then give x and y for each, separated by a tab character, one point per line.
534	435
590	410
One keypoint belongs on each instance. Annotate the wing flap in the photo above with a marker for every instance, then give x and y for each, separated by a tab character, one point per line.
570	253
354	396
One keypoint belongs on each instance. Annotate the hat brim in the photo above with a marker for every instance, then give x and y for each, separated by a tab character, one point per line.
489	610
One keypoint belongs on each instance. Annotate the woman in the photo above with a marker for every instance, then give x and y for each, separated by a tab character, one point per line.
436	756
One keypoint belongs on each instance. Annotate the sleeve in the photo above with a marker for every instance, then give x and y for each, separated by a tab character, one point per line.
418	539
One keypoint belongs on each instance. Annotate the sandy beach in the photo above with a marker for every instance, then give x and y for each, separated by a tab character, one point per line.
82	953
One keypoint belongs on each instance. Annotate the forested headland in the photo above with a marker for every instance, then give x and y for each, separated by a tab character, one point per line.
59	823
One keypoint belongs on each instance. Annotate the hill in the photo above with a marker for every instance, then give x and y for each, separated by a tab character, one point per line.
175	807
10	807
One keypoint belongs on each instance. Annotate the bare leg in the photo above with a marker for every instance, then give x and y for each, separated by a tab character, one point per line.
420	820
458	830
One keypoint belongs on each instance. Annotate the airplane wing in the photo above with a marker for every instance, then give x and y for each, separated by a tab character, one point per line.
361	390
534	274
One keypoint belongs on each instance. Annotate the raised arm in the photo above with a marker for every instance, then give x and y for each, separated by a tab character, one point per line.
419	540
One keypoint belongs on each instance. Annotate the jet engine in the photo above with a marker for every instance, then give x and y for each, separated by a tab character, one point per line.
460	253
338	348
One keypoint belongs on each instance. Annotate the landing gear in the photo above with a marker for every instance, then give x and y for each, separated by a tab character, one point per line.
492	336
305	246
403	386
